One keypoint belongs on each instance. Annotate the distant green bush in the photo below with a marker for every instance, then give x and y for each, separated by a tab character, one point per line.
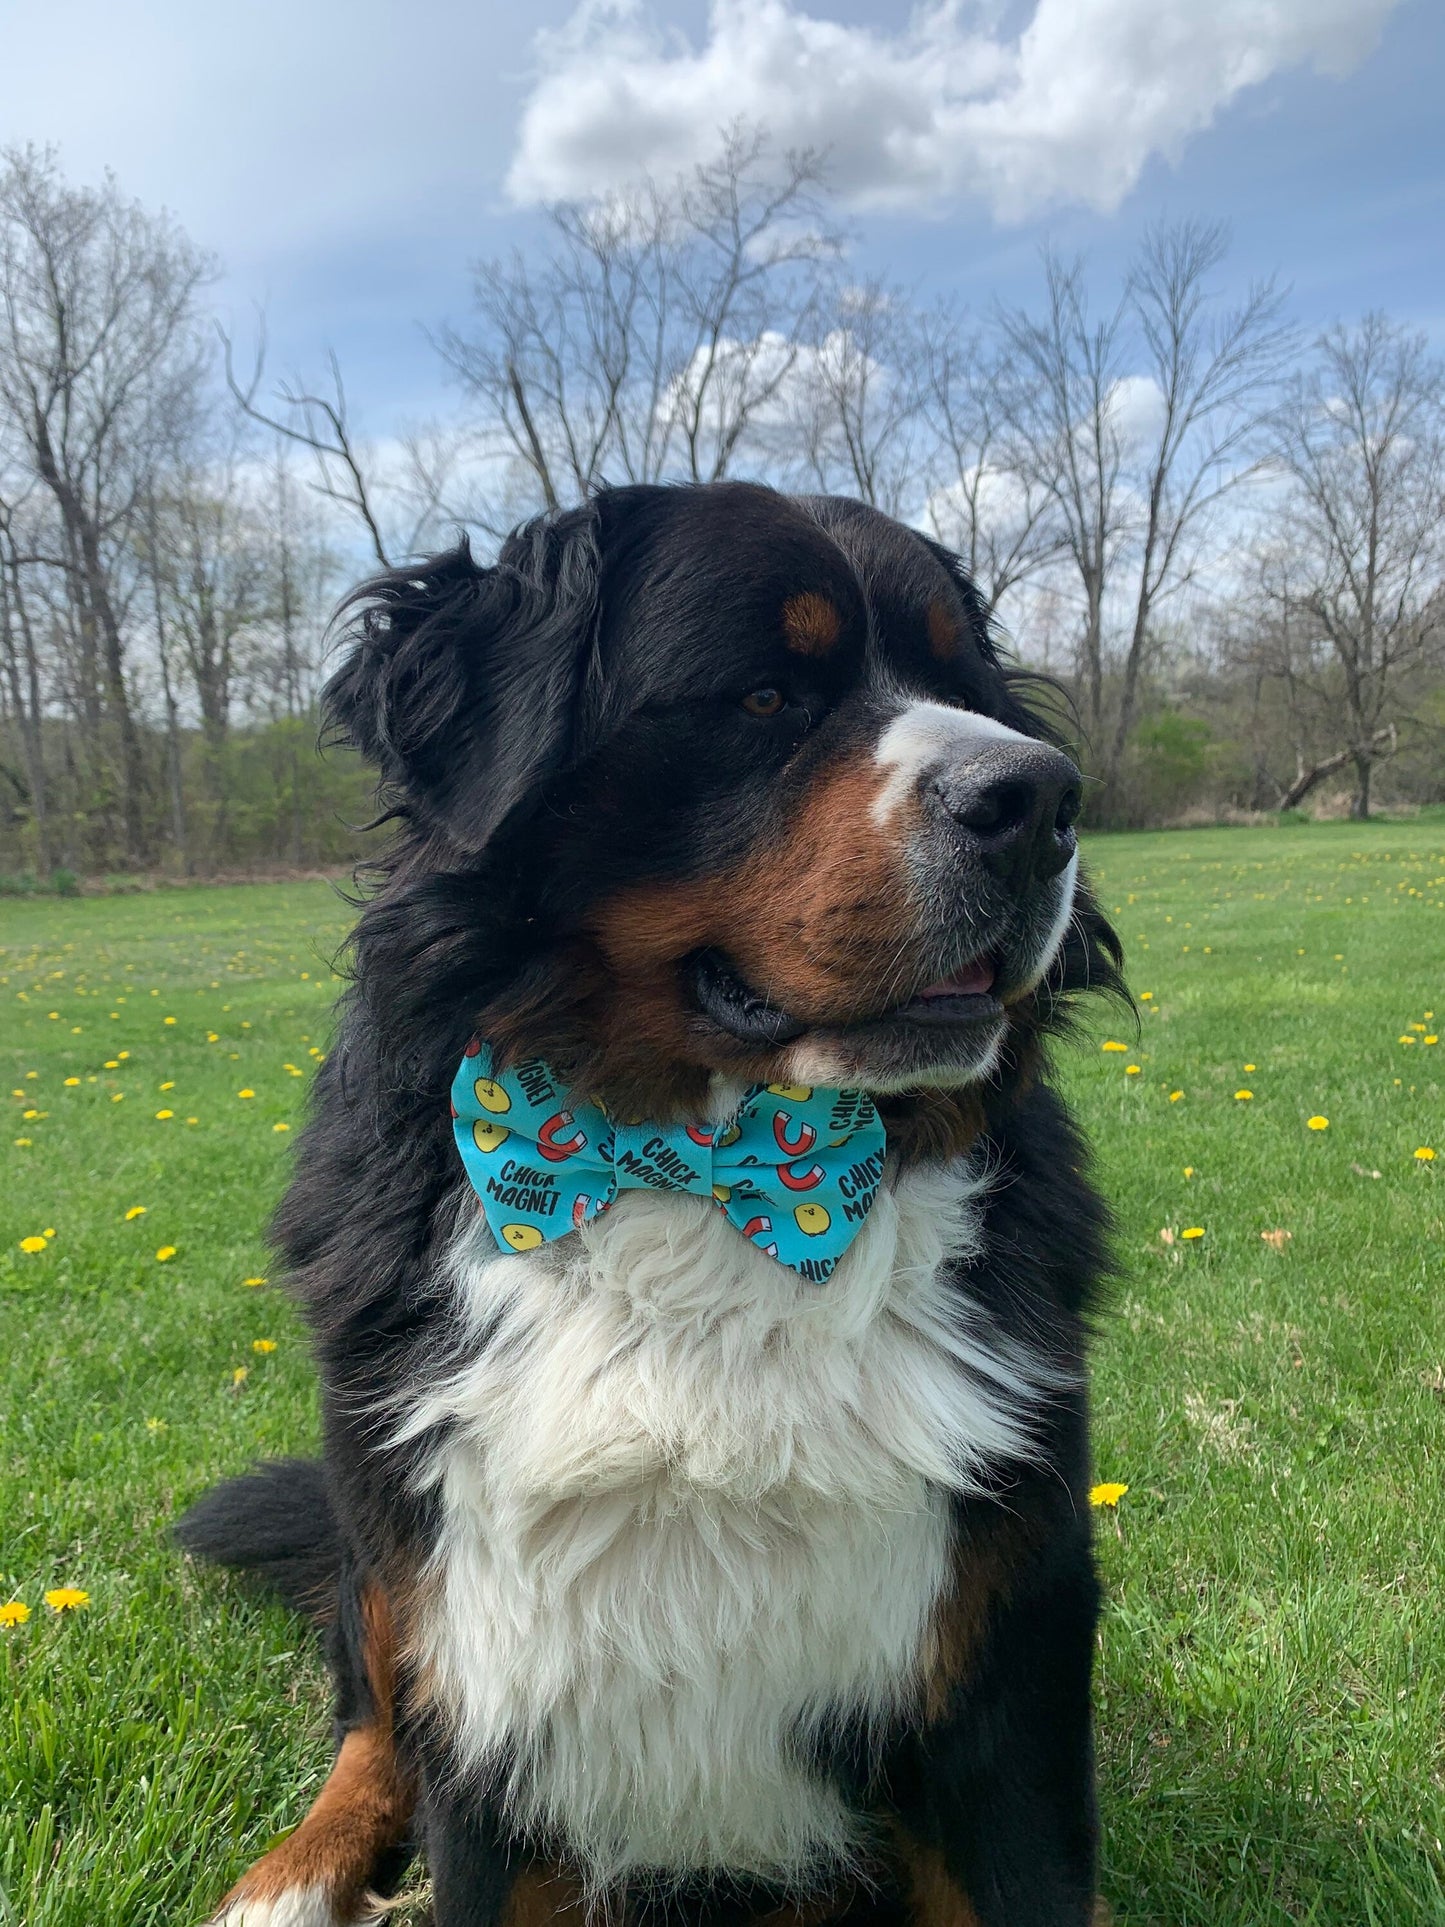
264	799
25	883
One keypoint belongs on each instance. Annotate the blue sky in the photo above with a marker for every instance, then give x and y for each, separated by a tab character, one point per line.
347	162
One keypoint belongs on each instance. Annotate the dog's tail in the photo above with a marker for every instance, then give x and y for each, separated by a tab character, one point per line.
277	1522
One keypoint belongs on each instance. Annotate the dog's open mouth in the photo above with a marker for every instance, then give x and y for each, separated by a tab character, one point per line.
959	1002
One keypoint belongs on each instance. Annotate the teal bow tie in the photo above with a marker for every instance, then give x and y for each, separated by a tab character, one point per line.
795	1169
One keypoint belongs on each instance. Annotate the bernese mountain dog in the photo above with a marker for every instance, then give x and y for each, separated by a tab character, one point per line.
697	1258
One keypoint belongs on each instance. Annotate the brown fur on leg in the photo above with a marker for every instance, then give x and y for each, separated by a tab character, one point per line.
546	1891
360	1814
935	1898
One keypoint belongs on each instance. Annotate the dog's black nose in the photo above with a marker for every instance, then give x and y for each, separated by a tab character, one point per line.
1015	804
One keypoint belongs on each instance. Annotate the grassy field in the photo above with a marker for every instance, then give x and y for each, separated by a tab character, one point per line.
1271	1389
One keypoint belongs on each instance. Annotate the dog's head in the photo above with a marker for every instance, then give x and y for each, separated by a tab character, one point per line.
738	787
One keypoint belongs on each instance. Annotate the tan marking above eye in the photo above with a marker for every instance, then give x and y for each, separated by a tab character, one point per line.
943	630
811	623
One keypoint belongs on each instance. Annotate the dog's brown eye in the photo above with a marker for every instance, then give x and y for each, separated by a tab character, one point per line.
765	702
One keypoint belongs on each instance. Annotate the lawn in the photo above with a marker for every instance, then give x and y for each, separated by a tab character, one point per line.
1272	1389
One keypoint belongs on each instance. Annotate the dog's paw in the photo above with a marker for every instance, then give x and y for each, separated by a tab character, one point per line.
294	1907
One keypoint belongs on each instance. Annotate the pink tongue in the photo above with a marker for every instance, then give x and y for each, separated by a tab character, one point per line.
976	981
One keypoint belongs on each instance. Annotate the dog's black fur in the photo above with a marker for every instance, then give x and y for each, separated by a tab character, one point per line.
555	735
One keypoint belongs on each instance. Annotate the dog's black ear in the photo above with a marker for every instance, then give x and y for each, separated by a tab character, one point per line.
462	683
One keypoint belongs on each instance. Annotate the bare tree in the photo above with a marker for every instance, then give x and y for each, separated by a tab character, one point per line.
662	328
1214	371
97	341
1133	496
853	398
986	498
1362	440
214	567
174	772
1063	369
22	675
321	424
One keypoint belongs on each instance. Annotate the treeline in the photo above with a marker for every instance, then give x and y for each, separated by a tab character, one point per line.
1224	541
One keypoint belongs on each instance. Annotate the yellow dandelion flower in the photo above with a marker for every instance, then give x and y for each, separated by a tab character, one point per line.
14	1613
280	1127
1318	1123
48	1232
71	1082
1189	1170
263	1344
1193	1231
66	1599
1107	1494
1174	1096
136	1211
253	1281
1110	1044
1405	1040
157	1425
117	1097
1432	1039
24	1143
246	1093
212	1037
240	1375
165	1254
1146	996
38	1244
169	1085
122	1055
1425	1154
1243	1097
163	1114
112	1064
1250	1067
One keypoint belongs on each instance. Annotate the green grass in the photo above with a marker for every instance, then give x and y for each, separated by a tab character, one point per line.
1272	1664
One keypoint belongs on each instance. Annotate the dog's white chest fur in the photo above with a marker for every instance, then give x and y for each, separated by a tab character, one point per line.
691	1507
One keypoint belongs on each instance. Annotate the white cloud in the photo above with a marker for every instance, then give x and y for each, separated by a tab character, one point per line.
1136	412
948	107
